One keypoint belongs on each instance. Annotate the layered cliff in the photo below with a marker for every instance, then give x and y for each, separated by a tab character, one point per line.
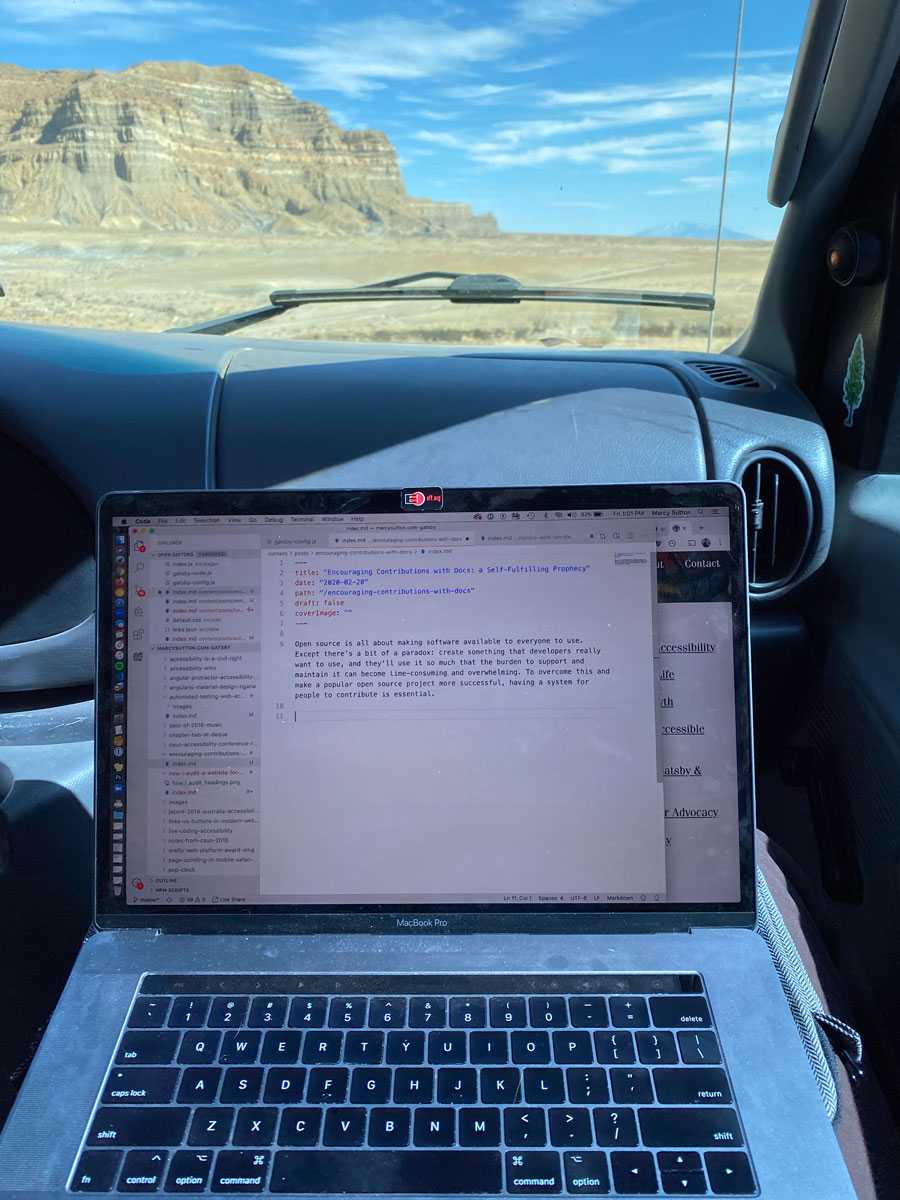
169	145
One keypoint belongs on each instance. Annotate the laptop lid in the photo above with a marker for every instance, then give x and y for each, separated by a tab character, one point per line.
498	709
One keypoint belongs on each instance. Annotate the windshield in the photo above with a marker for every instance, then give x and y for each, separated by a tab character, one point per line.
600	144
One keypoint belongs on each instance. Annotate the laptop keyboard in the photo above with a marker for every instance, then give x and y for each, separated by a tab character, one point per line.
417	1085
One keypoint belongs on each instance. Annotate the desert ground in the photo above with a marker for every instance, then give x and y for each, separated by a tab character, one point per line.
156	280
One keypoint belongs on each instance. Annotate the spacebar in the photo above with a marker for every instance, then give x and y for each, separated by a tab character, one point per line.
387	1172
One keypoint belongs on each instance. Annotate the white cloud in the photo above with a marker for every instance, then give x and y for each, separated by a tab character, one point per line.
481	91
359	57
450	141
767	87
554	16
538	64
746	55
136	20
431	114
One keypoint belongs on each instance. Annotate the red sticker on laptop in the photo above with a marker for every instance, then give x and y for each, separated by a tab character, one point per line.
429	499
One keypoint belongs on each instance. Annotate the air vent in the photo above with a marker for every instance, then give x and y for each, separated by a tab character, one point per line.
727	375
779	520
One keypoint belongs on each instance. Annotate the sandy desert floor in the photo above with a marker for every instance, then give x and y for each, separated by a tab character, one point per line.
153	281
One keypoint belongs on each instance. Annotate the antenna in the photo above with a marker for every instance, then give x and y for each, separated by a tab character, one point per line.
734	74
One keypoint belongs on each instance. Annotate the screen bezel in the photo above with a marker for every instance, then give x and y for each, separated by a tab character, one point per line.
112	912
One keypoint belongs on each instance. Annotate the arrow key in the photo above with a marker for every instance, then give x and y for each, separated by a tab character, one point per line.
730	1173
679	1160
684	1183
634	1173
143	1170
189	1171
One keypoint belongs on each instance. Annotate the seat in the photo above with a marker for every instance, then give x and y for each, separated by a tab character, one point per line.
864	1125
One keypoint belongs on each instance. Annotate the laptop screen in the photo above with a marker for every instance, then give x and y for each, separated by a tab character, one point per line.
423	701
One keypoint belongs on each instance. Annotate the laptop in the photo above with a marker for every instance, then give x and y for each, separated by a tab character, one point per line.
424	859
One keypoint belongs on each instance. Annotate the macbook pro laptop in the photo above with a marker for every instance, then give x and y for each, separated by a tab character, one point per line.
424	859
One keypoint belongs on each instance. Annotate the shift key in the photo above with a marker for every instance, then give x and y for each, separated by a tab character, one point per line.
132	1126
676	1127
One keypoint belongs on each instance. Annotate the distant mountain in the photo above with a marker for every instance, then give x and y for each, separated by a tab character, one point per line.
692	229
176	145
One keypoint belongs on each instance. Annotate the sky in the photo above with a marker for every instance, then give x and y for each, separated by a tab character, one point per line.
558	116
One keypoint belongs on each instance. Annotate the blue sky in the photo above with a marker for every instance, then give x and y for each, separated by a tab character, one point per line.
568	116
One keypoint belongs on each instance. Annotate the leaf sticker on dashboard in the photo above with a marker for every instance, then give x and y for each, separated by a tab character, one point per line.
854	380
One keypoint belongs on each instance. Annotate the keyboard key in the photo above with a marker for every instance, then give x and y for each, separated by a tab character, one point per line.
143	1170
96	1171
633	1173
489	1048
457	1085
690	1126
347	1012
284	1085
403	1049
299	1127
628	1011
281	1047
327	1085
255	1127
586	1173
530	1047
479	1126
344	1127
427	1012
365	1047
130	1126
149	1012
544	1086
570	1127
267	1012
524	1127
434	1127
573	1048
631	1087
680	1012
615	1127
199	1085
240	1172
188	1172
508	1012
587	1086
501	1085
140	1085
241	1046
199	1047
387	1012
448	1046
533	1174
547	1011
413	1085
387	1172
588	1012
389	1127
683	1183
241	1085
210	1126
322	1047
678	1160
467	1012
729	1173
370	1085
699	1048
613	1048
308	1012
701	1085
227	1011
147	1047
656	1047
188	1011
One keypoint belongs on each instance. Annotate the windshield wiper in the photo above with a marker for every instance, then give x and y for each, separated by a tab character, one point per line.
462	289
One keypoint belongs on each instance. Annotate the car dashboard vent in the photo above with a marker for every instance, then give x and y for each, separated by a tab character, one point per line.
727	375
779	520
